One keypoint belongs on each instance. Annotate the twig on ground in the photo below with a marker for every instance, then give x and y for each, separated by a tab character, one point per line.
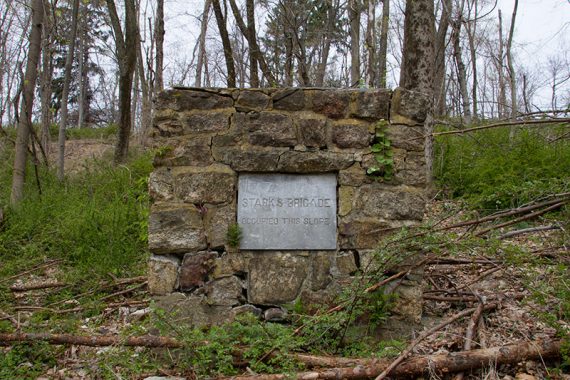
26	288
92	341
35	268
528	230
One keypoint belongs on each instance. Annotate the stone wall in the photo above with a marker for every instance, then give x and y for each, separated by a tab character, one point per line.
206	137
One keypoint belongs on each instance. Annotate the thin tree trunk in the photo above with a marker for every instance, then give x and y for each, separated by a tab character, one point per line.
461	74
371	42
65	93
502	98
439	68
512	75
354	18
202	46
46	79
251	36
159	40
327	40
383	53
82	50
471	29
25	121
228	54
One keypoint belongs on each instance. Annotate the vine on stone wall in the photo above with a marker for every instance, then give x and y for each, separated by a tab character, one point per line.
381	147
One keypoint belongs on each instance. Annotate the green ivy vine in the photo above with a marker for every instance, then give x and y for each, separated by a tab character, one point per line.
382	149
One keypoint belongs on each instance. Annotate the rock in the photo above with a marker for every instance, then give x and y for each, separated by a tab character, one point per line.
372	104
187	152
345	198
408	304
195	269
289	100
217	221
406	137
206	121
331	103
161	185
275	277
140	314
345	263
361	232
321	263
390	202
267	128
175	228
187	99
251	100
226	291
162	274
164	378
275	314
413	171
352	135
313	132
243	309
231	264
248	158
354	175
192	310
314	162
409	107
167	128
213	184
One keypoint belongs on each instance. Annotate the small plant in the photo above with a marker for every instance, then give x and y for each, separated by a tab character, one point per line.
382	150
233	235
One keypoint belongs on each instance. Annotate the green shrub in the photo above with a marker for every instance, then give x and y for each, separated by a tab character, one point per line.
493	171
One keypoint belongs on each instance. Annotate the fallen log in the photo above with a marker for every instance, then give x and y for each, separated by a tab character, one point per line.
420	365
91	341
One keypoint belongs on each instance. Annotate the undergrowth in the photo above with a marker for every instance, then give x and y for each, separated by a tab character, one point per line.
493	171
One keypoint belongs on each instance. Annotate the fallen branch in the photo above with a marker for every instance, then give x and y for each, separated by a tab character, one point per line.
26	288
91	341
424	335
528	231
122	292
31	270
472	298
471	329
416	366
523	218
504	124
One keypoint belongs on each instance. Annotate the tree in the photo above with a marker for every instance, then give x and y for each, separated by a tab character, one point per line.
159	40
25	121
65	94
512	82
354	20
126	53
383	49
228	54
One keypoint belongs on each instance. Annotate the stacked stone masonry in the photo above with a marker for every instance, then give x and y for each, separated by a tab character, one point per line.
204	139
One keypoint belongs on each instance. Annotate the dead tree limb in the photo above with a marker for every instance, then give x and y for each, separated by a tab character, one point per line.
471	329
33	269
505	124
48	285
91	341
528	231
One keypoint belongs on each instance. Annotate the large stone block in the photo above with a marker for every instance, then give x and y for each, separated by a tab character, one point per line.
217	221
313	132
226	291
320	275
249	158
231	264
391	202
346	263
267	128
406	137
162	274
372	104
175	228
354	175
314	162
161	185
192	310
413	170
212	121
195	269
331	103
167	128
362	232
409	107
213	184
187	99
252	100
276	277
289	99
348	134
345	199
186	152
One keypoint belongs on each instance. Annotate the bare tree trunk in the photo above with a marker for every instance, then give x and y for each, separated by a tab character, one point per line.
46	79
251	36
512	75
159	39
461	74
228	54
82	50
502	97
419	38
326	43
371	42
65	93
440	45
146	97
383	53
354	18
202	39
471	29
25	121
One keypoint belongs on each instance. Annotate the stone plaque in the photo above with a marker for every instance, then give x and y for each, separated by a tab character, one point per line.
287	211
